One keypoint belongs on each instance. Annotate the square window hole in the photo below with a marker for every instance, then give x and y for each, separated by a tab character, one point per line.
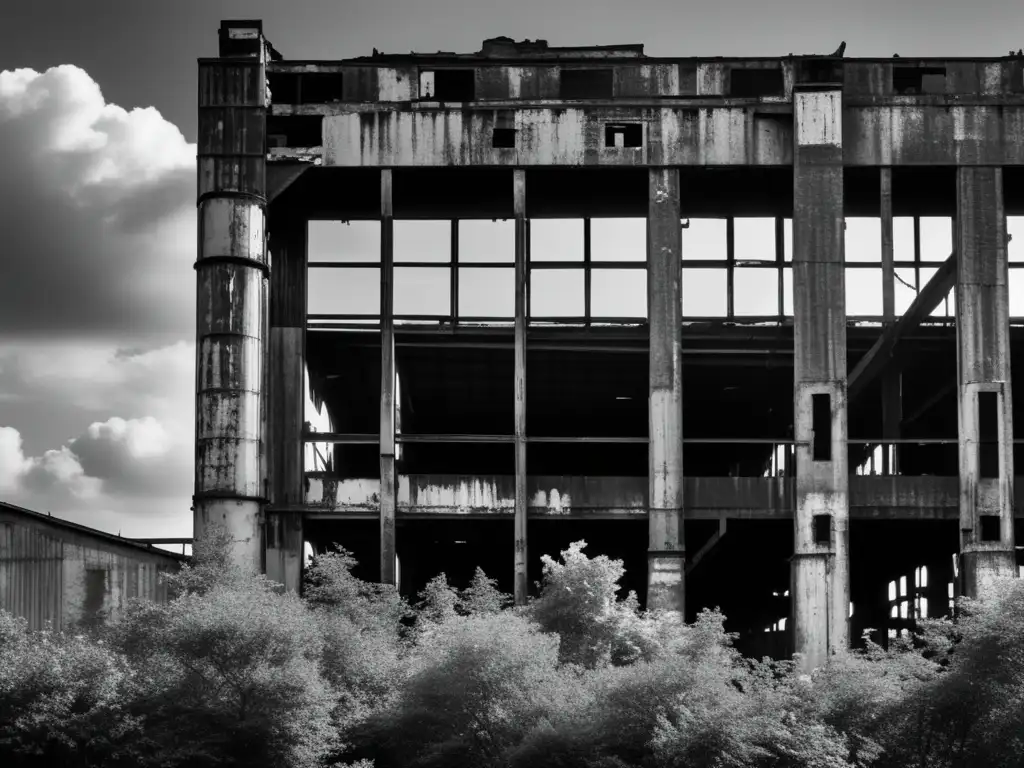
821	426
623	135
823	529
503	138
990	528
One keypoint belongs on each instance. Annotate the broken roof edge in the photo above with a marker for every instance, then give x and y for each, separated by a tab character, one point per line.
112	538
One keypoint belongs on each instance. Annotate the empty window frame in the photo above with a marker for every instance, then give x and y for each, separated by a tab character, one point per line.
586	84
448	85
343	273
305	88
485	275
913	80
1015	254
823	530
756	83
422	280
821	427
623	135
503	138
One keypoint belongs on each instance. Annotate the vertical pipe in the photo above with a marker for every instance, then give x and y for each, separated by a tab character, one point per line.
820	566
983	366
387	382
231	274
666	554
283	532
519	193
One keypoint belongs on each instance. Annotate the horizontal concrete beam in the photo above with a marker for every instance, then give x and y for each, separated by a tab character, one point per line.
576	497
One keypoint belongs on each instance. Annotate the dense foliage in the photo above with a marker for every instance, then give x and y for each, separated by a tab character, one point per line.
234	672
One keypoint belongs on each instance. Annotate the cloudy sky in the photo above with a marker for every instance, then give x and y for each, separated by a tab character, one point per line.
97	194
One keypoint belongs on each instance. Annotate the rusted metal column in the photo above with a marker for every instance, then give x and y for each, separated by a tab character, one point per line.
820	566
388	481
231	276
285	417
892	398
519	192
985	394
666	553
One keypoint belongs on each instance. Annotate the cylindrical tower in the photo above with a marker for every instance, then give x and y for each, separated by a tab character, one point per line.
231	275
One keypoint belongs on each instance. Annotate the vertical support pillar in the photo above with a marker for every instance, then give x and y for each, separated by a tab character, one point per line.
892	399
231	278
519	192
286	365
985	395
820	570
666	552
387	382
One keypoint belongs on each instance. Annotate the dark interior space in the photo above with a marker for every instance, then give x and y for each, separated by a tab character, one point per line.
359	537
427	548
886	550
624	540
746	575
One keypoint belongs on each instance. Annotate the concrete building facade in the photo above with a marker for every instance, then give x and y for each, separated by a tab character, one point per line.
456	310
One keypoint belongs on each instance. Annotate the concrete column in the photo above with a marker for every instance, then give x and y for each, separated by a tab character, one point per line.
388	481
820	570
892	379
666	552
285	364
985	394
231	276
519	192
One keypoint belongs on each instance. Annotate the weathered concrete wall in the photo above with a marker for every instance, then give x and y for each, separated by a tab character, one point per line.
559	135
50	574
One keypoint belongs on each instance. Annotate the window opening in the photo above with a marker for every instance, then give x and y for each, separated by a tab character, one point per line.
623	135
586	84
821	425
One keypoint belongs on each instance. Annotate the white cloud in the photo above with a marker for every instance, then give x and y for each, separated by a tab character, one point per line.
97	210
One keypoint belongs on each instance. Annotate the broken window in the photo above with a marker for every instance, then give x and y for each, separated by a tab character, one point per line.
946	306
863	292
988	434
618	239
990	528
863	239
936	237
487	293
755	292
618	293
484	240
503	138
917	80
753	239
821	427
300	131
624	135
319	88
819	70
343	241
823	529
586	84
704	292
904	288
343	291
426	240
755	83
556	293
556	240
284	87
448	85
705	239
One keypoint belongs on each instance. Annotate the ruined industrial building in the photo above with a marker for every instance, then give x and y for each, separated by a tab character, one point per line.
743	323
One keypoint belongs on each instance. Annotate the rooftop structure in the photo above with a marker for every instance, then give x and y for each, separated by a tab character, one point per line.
744	323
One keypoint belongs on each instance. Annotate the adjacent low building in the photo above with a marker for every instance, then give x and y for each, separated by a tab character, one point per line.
59	573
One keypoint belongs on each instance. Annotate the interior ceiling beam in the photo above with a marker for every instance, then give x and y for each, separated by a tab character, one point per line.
881	354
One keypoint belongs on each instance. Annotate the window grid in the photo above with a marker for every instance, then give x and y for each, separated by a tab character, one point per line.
910	274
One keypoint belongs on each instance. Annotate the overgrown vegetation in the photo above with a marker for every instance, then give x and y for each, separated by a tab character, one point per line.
233	672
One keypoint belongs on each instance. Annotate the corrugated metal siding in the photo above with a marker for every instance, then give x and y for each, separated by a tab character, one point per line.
52	576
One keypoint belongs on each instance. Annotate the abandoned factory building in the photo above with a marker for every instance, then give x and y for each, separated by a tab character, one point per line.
745	324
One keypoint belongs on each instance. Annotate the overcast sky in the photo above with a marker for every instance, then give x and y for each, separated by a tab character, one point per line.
97	195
